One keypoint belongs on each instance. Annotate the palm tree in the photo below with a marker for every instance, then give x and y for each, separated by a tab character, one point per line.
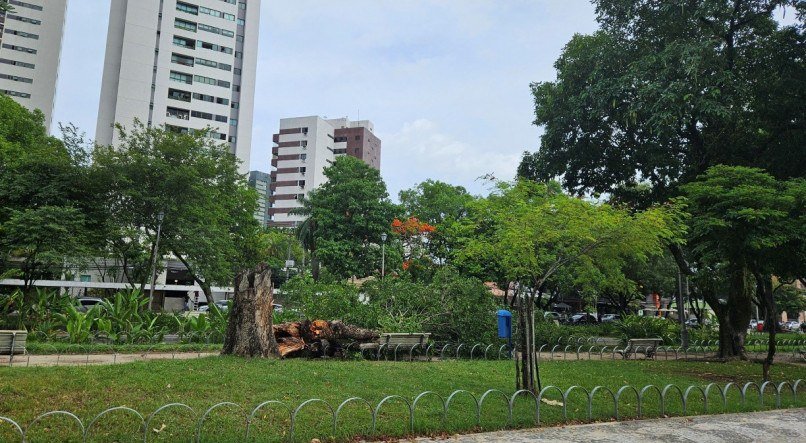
306	233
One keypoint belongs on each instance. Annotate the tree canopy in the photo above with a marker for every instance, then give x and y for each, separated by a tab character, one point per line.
194	182
665	90
346	217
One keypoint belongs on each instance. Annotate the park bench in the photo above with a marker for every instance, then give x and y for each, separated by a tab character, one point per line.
646	346
400	341
12	342
606	341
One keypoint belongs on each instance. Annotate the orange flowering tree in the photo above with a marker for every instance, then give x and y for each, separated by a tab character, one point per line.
414	236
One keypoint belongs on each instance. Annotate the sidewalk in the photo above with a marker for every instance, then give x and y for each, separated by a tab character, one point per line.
97	359
772	426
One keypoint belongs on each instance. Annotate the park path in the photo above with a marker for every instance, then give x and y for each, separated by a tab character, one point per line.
770	426
97	359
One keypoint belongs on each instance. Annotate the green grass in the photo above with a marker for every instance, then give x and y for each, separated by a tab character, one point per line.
144	386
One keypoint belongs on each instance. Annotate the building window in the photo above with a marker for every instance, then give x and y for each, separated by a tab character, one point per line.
184	24
22	34
182	114
214	47
85	278
24	19
17	63
15	78
214	30
20	48
235	105
221	118
182	78
15	93
233	122
25	5
188	8
182	59
204	115
176	94
185	42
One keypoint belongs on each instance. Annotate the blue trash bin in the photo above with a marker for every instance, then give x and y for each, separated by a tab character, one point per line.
504	324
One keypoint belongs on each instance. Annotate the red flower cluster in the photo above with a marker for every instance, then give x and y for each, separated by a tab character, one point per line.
411	227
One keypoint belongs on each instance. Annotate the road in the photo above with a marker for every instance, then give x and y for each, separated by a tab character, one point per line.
771	426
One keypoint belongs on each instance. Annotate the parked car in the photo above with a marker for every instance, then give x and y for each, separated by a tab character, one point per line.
607	318
87	303
582	319
552	316
792	326
222	305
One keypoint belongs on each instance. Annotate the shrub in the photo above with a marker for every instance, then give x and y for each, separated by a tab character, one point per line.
634	326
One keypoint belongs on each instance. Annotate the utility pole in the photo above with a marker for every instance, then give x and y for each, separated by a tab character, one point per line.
383	255
160	218
681	310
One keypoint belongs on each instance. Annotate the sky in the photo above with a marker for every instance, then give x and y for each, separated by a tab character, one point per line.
446	82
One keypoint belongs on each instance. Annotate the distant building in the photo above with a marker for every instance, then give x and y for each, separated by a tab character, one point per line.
186	64
260	182
304	147
30	48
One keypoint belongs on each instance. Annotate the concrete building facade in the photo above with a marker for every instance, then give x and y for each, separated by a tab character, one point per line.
187	64
260	182
30	50
304	147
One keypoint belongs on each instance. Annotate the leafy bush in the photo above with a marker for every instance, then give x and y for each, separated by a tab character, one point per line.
634	326
451	307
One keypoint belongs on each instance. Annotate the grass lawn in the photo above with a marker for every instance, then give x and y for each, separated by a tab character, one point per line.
144	386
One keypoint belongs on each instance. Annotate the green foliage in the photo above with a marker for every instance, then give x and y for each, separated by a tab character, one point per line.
37	312
791	299
194	182
665	90
43	193
531	234
329	301
346	217
634	326
79	325
451	307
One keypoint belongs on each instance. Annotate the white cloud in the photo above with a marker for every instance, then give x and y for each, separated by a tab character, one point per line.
420	150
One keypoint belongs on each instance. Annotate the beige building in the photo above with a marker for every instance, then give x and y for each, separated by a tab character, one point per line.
304	147
186	64
30	48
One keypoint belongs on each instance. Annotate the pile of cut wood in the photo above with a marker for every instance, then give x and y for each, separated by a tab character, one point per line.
319	338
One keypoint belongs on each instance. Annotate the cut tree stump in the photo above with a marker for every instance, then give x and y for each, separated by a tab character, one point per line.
249	331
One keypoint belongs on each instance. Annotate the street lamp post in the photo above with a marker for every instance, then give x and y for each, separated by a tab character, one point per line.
160	218
383	255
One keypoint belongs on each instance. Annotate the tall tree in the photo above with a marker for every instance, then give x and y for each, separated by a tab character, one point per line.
346	217
43	197
665	90
194	182
537	235
440	205
748	226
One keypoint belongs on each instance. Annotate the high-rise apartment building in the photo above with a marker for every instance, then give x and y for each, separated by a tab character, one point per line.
30	48
304	147
260	181
186	64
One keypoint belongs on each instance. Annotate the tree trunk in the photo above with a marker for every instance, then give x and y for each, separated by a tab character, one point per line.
765	292
250	332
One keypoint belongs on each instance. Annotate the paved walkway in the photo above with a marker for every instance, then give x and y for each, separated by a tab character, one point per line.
772	426
97	359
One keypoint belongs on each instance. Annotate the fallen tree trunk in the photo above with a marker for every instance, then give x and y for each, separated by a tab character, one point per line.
318	337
